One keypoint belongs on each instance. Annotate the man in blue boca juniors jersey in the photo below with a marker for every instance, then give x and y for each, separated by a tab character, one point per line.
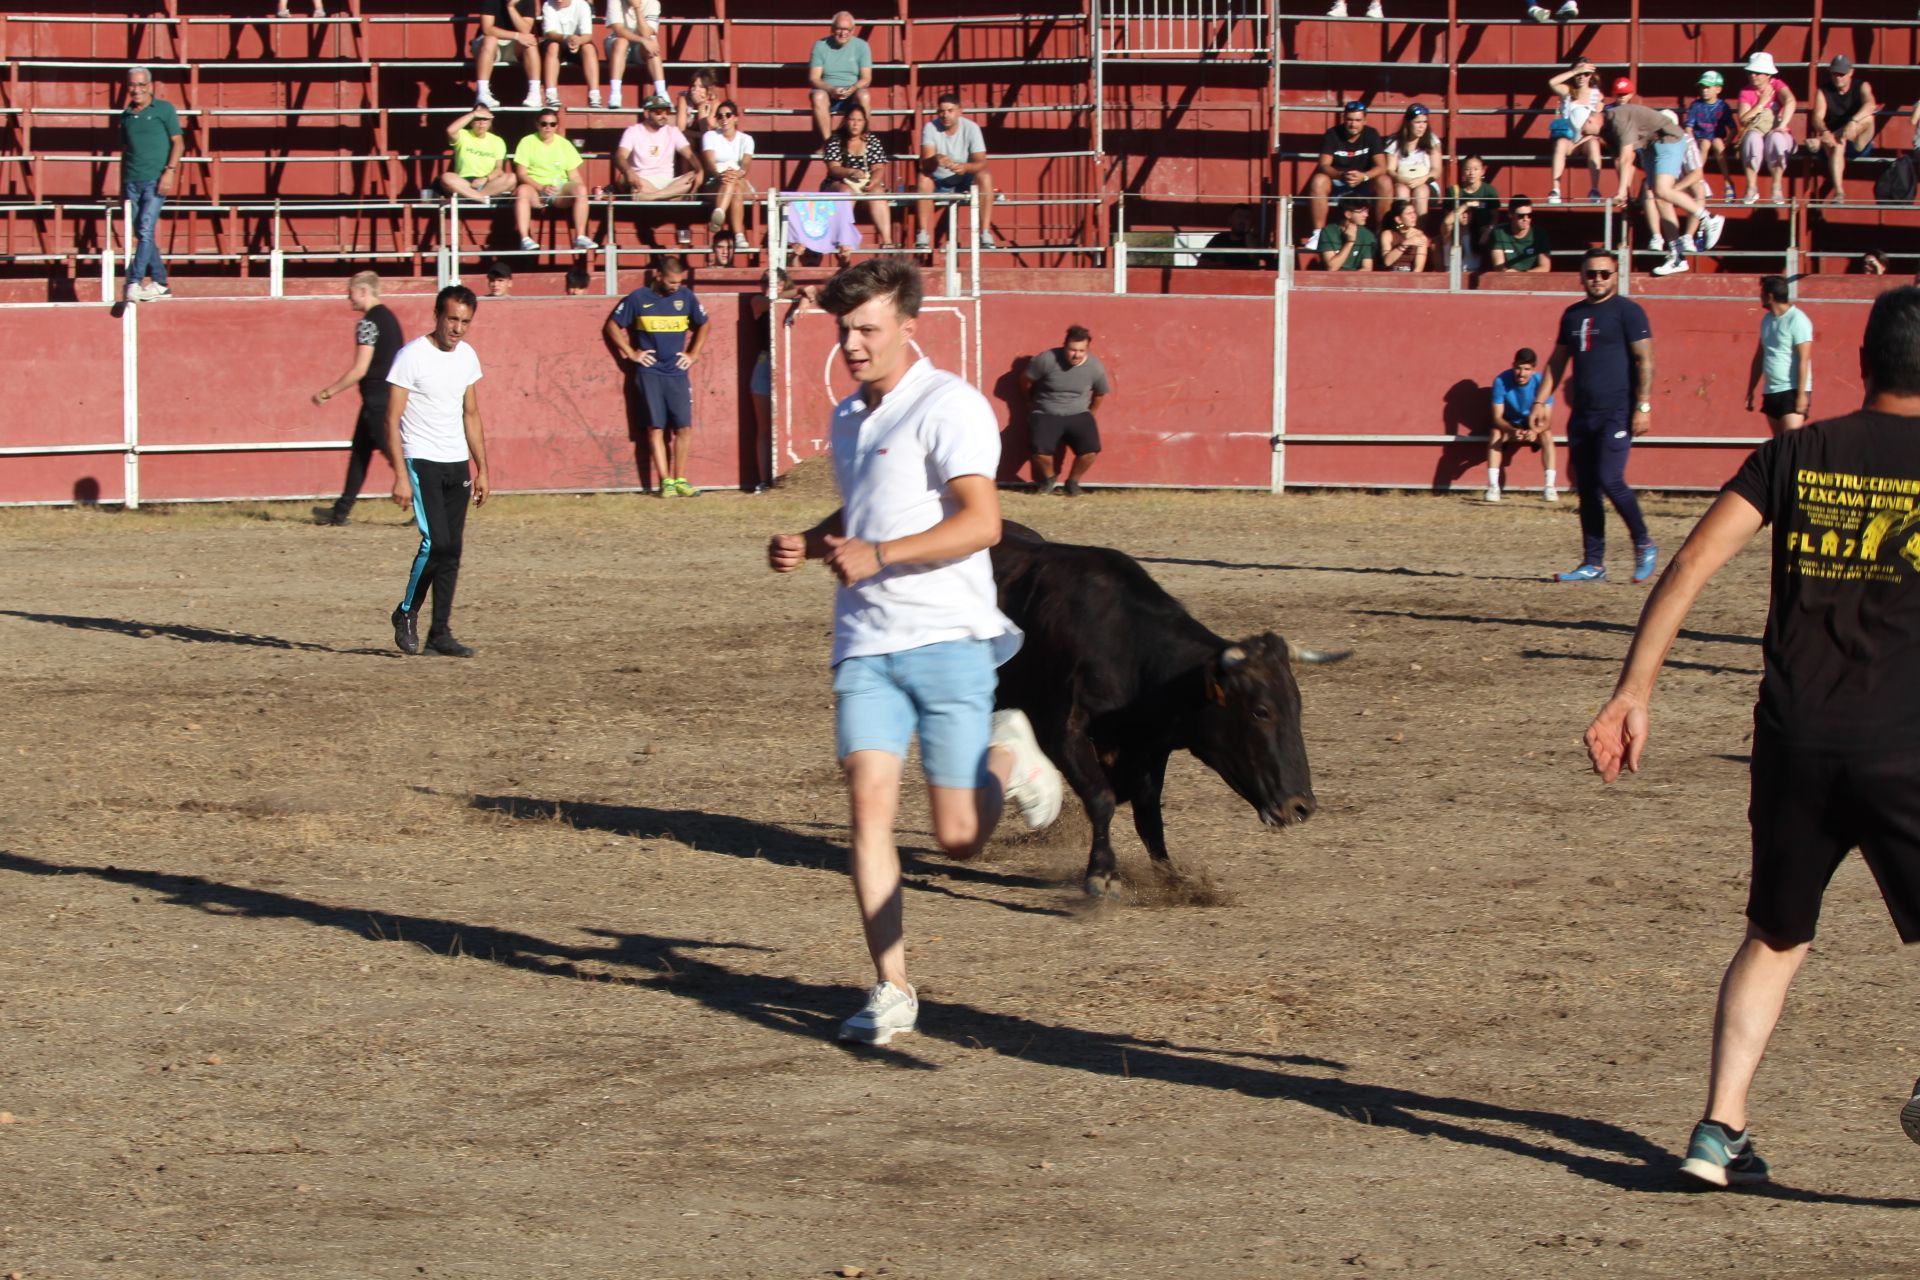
661	327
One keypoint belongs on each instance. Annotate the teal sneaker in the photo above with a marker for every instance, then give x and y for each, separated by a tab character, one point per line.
1717	1158
1585	573
1644	560
1910	1114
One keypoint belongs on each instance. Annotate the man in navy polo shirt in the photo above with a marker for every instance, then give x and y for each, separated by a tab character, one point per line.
1611	344
661	315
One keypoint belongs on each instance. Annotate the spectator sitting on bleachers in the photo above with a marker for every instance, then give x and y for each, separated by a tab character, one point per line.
1241	233
578	278
1520	245
1579	91
1414	156
1634	130
499	280
727	152
1841	125
693	113
1477	201
633	30
953	159
840	69
1348	245
857	164
1403	245
1353	162
1765	113
504	26
549	169
1710	121
566	29
150	146
480	169
643	160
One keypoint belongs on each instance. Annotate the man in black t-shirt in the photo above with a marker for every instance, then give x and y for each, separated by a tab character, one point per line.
1836	739
506	27
1353	163
1611	345
376	340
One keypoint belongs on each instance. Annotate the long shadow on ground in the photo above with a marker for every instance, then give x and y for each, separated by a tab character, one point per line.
192	635
1671	664
1550	624
1593	1149
744	838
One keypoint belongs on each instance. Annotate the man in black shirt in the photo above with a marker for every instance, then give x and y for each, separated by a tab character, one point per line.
1841	124
376	340
1353	162
1611	345
1836	739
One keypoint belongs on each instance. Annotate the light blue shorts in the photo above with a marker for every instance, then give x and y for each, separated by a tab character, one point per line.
1670	158
944	690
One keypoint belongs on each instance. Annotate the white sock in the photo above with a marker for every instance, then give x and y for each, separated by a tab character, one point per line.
1550	483
1493	477
660	87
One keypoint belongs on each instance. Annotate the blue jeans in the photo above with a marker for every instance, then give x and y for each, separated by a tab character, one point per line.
1599	445
146	200
945	690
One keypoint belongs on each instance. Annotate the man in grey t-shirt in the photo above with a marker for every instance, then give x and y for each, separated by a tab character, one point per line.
1064	386
953	158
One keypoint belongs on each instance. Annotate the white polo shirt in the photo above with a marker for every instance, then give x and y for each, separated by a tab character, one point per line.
433	426
892	465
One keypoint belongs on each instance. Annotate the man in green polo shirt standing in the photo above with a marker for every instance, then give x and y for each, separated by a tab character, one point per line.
839	72
150	145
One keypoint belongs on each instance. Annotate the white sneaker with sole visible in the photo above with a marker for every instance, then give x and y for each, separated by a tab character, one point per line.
1673	266
529	245
888	1012
553	98
1553	196
532	99
1492	494
1711	226
1655	243
740	245
1338	9
987	241
1567	10
613	101
922	243
484	95
1538	12
1375	11
584	244
1034	786
1549	494
593	99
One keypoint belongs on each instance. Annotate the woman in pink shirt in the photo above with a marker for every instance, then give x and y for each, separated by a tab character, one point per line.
1764	111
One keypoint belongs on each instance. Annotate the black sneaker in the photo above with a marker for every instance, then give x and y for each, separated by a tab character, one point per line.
329	516
1049	485
406	631
1073	489
445	645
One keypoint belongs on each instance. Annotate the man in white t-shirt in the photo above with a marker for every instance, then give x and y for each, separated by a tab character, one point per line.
566	30
953	159
917	634
433	422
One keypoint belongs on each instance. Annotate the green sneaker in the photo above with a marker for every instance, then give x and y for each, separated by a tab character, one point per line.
1717	1158
684	489
668	489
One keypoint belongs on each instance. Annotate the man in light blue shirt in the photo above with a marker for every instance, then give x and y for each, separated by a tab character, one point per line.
1783	358
840	71
953	159
1514	391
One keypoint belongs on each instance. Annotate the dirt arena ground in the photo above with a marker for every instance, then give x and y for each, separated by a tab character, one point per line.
318	961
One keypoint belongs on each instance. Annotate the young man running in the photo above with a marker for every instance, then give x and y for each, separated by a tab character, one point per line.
917	634
1836	739
433	422
376	341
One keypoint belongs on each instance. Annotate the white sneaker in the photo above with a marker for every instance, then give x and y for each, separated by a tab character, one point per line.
1567	10
553	98
613	101
1339	9
532	99
1549	494
1656	243
1673	266
593	99
1712	225
1375	11
1538	12
1753	196
484	96
157	293
1492	494
887	1012
740	245
987	241
921	242
583	243
529	244
1553	196
1034	786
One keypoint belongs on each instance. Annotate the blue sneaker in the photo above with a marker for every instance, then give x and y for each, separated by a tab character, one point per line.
1585	573
1719	1160
1644	559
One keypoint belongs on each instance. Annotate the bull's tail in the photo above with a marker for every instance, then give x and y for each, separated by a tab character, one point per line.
1316	657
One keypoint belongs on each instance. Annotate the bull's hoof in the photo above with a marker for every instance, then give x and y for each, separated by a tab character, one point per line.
1104	886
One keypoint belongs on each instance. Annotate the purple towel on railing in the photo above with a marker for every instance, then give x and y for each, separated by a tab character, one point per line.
822	223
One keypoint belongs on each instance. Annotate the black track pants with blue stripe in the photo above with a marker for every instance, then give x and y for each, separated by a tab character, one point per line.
440	493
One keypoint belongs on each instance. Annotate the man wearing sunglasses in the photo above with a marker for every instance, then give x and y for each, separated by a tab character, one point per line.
549	169
1611	344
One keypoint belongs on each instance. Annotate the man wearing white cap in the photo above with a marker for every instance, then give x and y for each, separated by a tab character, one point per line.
1765	112
1841	126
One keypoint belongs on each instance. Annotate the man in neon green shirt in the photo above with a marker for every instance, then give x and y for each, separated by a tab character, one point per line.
549	169
480	169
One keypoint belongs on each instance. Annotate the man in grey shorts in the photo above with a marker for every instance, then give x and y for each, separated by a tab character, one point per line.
1064	386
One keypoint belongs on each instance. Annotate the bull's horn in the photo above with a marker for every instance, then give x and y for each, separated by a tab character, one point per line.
1232	656
1316	657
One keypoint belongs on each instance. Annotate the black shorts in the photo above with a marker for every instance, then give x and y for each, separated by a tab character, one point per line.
669	401
1778	404
1050	430
1808	809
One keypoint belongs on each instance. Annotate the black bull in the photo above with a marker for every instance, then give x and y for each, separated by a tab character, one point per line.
1116	676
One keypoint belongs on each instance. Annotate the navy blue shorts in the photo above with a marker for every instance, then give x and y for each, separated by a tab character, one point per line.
669	401
955	183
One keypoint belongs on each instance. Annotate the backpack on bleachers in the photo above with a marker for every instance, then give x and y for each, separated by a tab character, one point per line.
1897	183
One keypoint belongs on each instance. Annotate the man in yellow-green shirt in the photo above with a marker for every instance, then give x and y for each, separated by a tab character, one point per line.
549	169
480	169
